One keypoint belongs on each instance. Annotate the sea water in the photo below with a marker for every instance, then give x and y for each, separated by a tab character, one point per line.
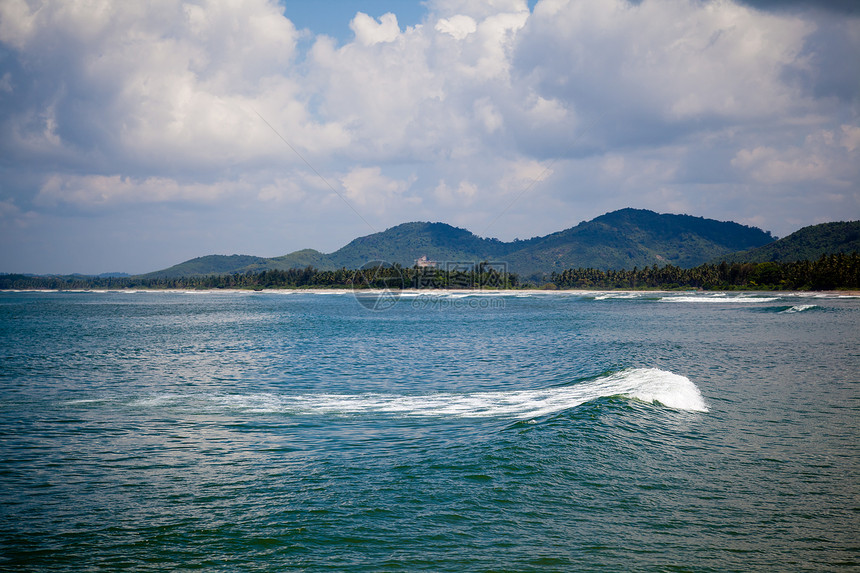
509	431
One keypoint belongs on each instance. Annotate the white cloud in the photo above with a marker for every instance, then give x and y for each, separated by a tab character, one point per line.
543	111
463	195
488	115
590	105
367	187
166	85
477	9
485	55
662	61
180	85
369	32
283	190
458	27
521	174
103	191
825	157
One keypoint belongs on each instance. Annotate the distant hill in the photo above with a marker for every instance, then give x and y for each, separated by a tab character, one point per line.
406	243
807	244
620	240
635	238
210	265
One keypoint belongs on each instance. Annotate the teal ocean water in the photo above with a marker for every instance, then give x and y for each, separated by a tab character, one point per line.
229	431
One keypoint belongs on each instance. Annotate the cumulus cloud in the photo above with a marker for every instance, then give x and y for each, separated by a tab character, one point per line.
368	188
458	27
569	110
825	156
369	32
156	87
463	195
105	191
293	189
657	70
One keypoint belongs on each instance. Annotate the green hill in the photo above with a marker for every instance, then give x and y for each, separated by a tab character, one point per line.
209	265
406	243
635	238
299	260
620	240
807	244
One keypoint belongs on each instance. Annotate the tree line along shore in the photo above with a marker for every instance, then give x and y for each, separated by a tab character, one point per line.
829	272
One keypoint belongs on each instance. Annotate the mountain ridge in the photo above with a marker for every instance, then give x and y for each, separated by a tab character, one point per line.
625	238
808	243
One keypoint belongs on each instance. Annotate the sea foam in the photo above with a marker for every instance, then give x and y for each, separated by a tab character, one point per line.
721	298
649	385
799	308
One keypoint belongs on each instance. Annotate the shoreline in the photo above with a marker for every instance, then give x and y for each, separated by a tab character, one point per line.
439	292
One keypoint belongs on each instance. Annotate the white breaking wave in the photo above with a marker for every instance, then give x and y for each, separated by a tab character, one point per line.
646	384
798	308
621	296
718	298
443	294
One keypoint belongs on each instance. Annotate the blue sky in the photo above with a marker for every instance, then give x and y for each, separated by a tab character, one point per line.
139	135
332	17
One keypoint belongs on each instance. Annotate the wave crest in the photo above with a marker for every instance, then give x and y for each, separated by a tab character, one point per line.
649	385
799	308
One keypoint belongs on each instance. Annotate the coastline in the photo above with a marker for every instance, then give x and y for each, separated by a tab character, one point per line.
443	292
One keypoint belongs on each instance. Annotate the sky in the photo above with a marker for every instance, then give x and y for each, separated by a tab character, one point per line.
137	135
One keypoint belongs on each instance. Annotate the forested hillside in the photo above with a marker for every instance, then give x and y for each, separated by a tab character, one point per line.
622	240
807	244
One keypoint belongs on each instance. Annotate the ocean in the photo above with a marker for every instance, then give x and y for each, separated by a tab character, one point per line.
488	431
